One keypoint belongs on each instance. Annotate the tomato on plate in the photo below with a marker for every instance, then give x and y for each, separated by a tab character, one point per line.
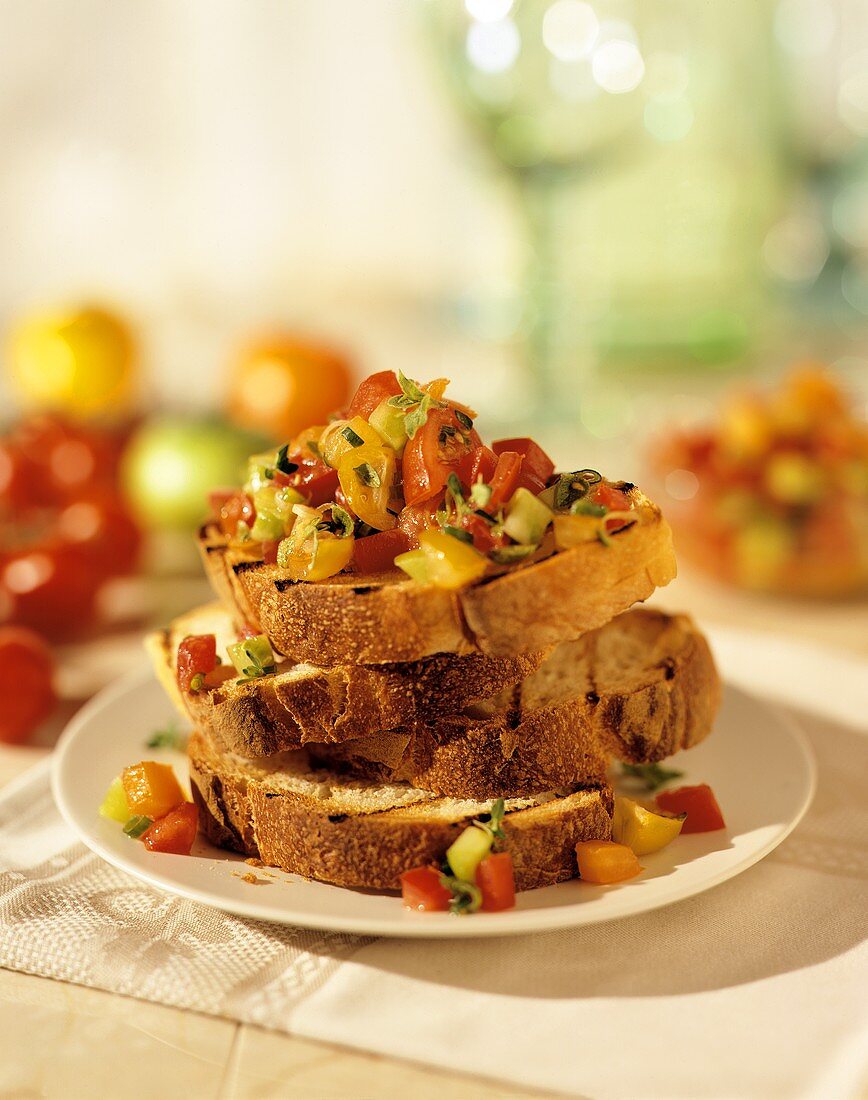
703	813
496	880
604	862
372	392
435	451
422	890
175	832
197	656
377	553
536	466
26	670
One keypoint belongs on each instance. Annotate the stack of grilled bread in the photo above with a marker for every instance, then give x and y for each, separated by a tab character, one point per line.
397	711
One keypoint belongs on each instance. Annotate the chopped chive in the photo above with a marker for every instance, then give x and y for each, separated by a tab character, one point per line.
353	438
368	475
137	825
464	420
282	463
458	533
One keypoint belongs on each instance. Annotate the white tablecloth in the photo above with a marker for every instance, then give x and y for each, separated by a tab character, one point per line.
758	988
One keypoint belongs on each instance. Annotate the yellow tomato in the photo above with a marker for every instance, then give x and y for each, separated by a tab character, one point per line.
451	562
343	436
80	362
641	829
282	385
315	562
367	475
151	789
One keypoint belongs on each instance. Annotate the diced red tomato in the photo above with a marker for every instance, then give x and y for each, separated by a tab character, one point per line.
604	861
703	813
437	449
175	832
26	669
495	877
269	551
413	521
377	553
197	655
237	509
372	391
536	467
504	480
217	499
318	482
484	539
477	465
616	500
422	890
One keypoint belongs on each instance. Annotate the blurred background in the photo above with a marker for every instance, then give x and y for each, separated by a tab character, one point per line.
594	217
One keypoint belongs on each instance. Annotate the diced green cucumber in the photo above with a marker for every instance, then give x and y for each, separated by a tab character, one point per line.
252	657
114	805
527	518
466	853
260	470
389	423
415	565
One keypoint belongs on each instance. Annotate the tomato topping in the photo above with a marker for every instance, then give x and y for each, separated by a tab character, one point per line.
237	509
217	498
477	465
197	656
26	669
175	832
494	876
604	861
420	517
484	538
536	467
437	448
269	551
421	889
371	392
504	481
377	553
152	789
700	805
318	482
616	500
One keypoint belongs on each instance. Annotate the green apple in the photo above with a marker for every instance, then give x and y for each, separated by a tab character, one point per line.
174	461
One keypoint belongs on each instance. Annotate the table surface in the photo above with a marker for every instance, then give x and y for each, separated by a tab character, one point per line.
88	1039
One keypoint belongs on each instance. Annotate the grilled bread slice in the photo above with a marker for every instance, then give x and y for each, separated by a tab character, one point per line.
380	618
326	826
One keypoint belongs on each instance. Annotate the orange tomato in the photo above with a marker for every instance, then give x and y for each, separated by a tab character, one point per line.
282	385
604	861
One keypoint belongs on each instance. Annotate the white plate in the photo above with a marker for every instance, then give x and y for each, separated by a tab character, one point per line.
758	763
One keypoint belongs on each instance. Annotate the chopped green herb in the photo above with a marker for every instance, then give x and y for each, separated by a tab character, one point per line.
466	896
454	486
458	533
343	522
464	420
169	738
353	438
506	555
652	776
416	418
368	475
197	682
410	388
588	508
137	825
282	463
494	825
252	657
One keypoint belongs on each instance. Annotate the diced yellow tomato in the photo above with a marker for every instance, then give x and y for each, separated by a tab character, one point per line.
338	438
151	789
306	563
367	477
572	531
415	565
642	829
451	562
114	805
604	861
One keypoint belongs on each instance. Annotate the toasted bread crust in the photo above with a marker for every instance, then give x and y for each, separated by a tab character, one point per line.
387	618
372	850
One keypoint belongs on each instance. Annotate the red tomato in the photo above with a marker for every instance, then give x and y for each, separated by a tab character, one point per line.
217	498
269	551
26	669
238	508
104	529
477	465
371	392
18	476
419	518
175	832
616	500
495	878
197	656
421	889
51	588
438	448
377	553
484	538
318	482
70	457
536	467
700	805
504	481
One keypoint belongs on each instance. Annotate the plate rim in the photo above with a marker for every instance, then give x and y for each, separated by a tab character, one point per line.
516	922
